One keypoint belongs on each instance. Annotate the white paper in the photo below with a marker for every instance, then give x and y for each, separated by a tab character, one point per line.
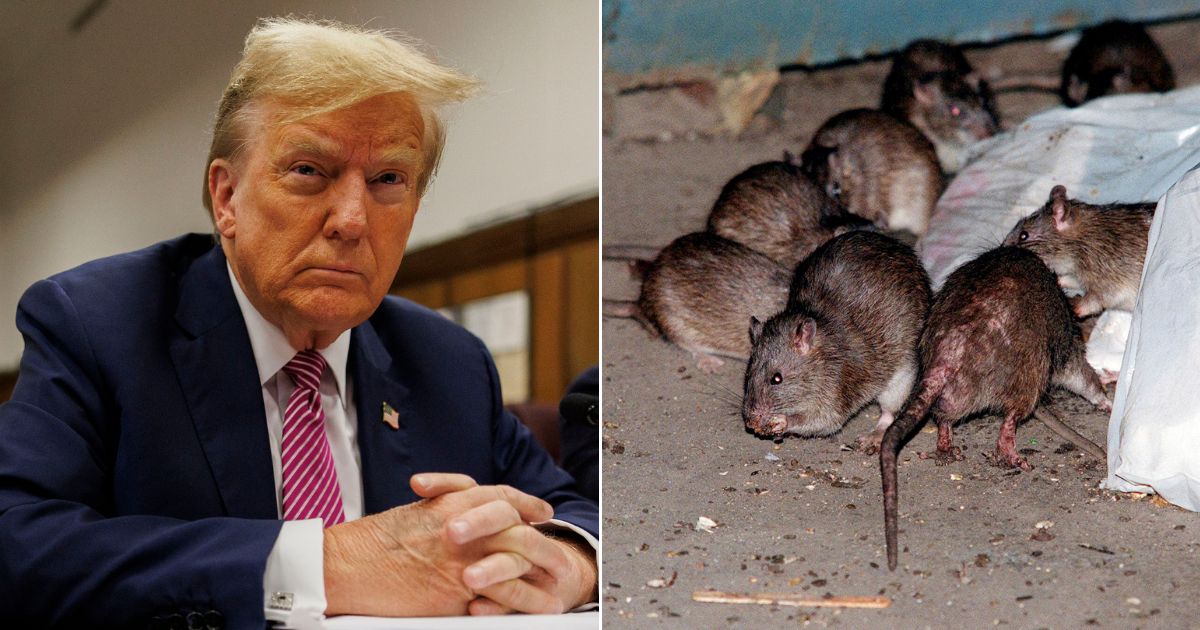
501	321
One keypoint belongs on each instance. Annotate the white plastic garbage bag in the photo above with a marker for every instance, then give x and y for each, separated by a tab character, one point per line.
1154	431
1126	148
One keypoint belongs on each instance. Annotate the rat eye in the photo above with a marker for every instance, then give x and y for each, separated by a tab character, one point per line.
776	378
1024	236
835	190
955	111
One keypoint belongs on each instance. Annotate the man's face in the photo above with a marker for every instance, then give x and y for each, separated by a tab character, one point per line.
314	215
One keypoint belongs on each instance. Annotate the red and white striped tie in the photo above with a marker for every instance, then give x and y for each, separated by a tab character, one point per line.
310	483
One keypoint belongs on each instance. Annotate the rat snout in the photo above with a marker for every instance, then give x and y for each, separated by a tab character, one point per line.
983	127
767	424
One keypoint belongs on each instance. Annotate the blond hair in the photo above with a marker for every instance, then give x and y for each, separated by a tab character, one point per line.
315	67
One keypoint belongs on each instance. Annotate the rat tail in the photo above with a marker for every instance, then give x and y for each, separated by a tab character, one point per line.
930	388
628	309
638	257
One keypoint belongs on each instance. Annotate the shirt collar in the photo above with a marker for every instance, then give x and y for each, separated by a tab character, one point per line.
272	350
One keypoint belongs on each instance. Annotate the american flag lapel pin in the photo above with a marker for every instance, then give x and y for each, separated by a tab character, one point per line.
390	416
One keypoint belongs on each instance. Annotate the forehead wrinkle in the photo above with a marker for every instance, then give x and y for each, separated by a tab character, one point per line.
308	142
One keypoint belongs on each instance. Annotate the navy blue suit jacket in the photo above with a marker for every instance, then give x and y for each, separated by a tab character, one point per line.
135	470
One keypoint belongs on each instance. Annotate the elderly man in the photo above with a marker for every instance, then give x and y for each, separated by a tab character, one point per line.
175	403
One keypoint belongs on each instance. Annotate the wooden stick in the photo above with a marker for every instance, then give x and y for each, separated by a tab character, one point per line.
788	599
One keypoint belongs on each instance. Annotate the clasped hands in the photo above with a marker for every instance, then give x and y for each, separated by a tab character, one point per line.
463	549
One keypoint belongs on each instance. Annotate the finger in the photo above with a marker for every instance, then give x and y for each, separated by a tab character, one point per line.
494	569
531	544
429	485
522	596
531	508
481	521
483	606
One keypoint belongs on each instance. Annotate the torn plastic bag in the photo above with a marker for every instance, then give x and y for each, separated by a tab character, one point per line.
1154	431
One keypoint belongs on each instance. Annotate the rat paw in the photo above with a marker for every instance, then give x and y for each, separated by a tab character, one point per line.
1010	460
868	444
1108	377
941	458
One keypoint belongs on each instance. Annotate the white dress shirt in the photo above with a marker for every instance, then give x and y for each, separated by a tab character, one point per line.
295	567
296	562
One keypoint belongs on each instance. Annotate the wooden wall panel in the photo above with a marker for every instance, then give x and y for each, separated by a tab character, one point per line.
434	294
548	323
554	255
583	317
489	281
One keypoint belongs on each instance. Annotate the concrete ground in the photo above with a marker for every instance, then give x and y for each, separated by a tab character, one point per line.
981	546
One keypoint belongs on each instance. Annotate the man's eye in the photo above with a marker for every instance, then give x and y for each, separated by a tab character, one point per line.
390	177
305	169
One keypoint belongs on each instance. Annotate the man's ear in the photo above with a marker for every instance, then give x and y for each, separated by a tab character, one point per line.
222	181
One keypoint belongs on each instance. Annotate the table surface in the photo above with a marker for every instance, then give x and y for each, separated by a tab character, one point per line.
571	621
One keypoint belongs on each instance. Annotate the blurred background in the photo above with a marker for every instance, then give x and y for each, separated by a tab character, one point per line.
108	109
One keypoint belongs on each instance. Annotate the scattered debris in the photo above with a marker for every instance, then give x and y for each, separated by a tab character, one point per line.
788	599
772	457
1100	548
663	583
705	524
852	482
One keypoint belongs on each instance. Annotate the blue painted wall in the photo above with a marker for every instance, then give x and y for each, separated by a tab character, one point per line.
646	35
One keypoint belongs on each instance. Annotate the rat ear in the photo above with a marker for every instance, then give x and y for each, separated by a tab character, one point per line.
756	328
803	339
815	156
1064	213
1121	82
927	93
1075	90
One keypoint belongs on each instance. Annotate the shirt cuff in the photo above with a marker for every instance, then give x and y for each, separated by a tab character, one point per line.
554	524
294	580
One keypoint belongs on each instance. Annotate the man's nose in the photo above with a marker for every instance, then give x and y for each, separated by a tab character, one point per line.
347	219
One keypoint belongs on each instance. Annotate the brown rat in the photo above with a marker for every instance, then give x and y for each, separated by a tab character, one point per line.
999	334
1096	249
700	291
1115	57
848	336
878	167
776	209
933	86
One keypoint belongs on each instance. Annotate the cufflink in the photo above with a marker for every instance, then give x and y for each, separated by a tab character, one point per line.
280	601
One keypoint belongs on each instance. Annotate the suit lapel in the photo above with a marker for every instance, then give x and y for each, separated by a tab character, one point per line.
215	364
386	461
